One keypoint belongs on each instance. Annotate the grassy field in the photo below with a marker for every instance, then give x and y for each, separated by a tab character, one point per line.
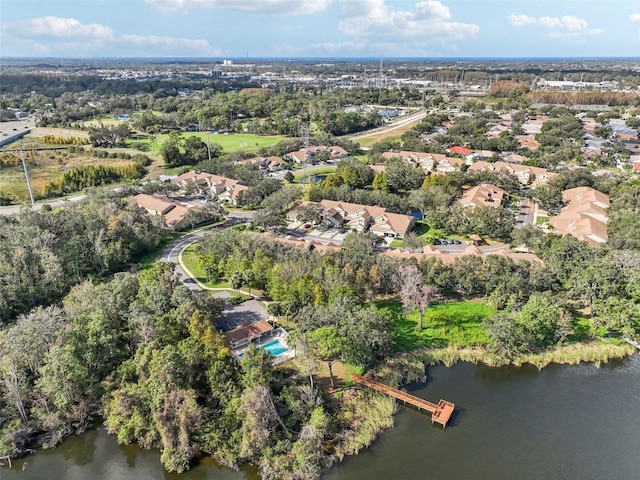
445	324
240	142
44	167
190	259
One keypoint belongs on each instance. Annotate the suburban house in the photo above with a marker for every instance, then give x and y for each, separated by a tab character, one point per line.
514	158
483	195
245	334
225	189
534	124
448	258
458	150
430	162
526	175
584	215
172	212
528	142
266	163
362	218
312	154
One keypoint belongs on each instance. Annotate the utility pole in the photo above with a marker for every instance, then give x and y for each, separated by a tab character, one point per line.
26	173
304	132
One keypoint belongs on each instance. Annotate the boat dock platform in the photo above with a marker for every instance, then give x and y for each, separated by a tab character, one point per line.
440	413
632	342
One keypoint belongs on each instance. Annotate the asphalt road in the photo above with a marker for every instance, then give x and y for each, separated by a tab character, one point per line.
389	127
526	216
172	252
13	209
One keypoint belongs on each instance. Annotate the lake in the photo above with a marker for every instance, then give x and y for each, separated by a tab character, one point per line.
564	422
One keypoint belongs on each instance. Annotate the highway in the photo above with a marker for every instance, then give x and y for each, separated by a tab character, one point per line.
388	128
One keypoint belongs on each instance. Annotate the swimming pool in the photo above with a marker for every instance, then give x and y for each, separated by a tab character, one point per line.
273	348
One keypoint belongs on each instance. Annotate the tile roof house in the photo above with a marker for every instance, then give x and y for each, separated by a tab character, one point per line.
528	141
300	156
515	158
449	258
362	218
225	189
526	175
459	150
430	162
244	334
484	195
584	215
534	124
265	163
172	212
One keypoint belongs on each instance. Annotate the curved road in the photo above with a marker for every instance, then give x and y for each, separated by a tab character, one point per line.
173	252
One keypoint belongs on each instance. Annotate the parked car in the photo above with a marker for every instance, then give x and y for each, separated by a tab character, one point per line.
306	226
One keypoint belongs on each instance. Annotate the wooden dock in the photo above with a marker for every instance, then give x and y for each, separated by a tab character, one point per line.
632	342
440	413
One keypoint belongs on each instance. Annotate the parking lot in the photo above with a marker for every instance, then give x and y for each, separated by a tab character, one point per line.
235	316
447	241
328	234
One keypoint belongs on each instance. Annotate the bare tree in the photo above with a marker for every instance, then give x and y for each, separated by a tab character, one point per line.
413	291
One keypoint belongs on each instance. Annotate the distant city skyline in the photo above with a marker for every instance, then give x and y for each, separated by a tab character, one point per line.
319	28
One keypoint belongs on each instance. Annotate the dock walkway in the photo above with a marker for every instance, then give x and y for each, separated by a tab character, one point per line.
440	413
632	342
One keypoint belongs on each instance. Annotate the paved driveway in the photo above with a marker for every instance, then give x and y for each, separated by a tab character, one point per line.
235	315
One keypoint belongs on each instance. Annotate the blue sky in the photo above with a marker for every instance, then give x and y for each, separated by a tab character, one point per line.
320	28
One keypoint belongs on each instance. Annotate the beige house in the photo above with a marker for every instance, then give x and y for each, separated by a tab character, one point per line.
363	218
526	175
225	189
584	215
483	195
173	213
266	163
430	162
301	156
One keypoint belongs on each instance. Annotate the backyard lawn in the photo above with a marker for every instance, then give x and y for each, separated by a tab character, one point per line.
445	324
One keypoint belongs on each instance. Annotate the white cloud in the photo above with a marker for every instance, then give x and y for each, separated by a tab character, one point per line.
56	35
430	22
272	7
635	17
57	28
567	22
521	20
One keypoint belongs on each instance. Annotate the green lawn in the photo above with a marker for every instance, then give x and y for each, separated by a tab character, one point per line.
190	259
541	220
235	142
300	174
444	324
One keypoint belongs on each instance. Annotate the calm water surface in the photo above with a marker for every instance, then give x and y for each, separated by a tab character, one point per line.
565	422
